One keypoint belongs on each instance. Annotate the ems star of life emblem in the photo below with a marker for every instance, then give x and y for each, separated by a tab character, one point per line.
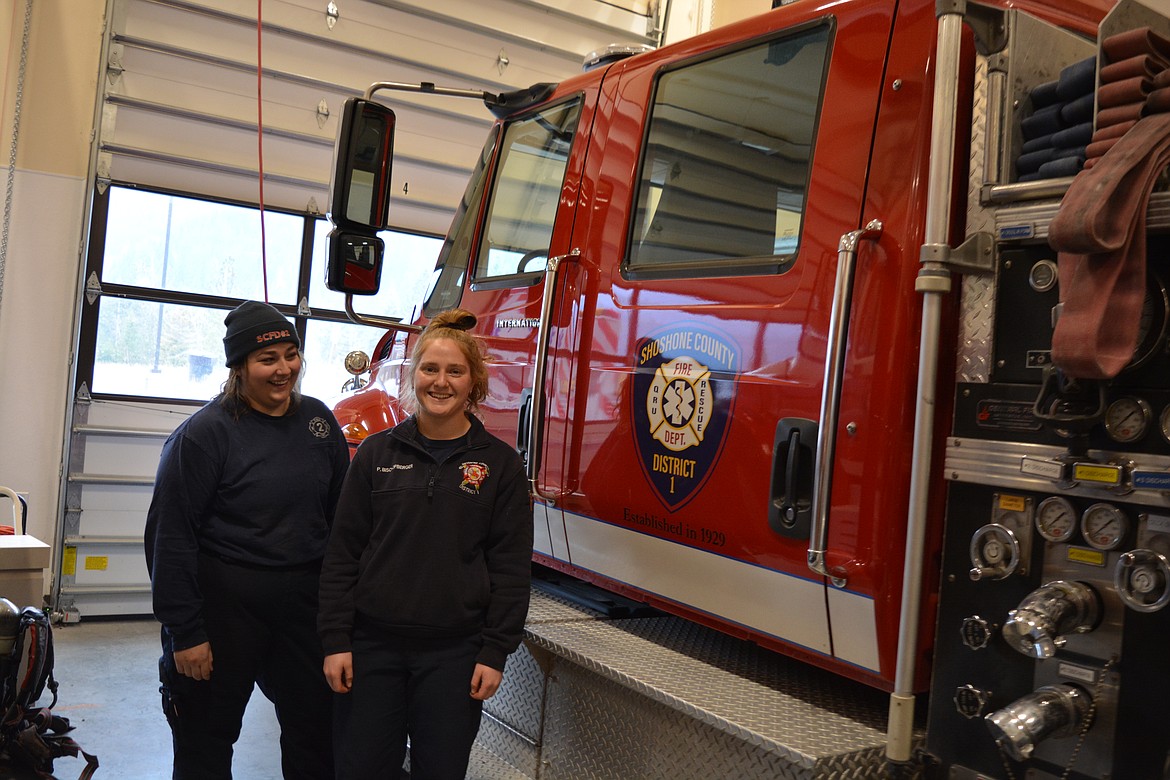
684	390
679	403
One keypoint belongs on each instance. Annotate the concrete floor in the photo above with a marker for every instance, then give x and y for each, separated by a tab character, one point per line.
108	675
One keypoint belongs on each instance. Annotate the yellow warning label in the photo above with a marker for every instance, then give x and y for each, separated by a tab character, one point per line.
97	562
1084	555
69	562
1013	503
1109	475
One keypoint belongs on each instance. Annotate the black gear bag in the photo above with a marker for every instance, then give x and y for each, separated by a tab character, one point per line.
31	736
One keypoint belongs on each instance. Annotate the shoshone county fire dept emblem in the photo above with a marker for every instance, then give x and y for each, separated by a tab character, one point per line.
684	389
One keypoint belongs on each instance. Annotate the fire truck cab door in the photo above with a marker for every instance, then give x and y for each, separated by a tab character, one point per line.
692	319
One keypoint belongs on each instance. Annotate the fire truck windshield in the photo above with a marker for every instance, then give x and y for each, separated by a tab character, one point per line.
529	173
451	266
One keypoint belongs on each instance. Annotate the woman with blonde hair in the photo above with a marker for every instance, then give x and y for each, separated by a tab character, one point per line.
424	589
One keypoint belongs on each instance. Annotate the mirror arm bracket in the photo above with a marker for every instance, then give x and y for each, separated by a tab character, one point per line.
429	88
378	322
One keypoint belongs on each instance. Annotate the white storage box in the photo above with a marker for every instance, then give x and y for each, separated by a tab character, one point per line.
23	560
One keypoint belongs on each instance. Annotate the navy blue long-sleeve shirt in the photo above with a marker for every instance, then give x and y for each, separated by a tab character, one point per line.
259	490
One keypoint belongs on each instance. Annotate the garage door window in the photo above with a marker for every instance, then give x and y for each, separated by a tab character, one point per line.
165	269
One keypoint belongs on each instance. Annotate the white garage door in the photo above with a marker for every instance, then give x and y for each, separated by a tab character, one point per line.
198	98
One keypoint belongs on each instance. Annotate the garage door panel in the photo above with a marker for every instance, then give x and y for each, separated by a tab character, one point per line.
114	510
122	456
288	107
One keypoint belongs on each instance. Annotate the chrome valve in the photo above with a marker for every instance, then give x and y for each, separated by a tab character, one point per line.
1142	578
1037	627
995	553
1050	711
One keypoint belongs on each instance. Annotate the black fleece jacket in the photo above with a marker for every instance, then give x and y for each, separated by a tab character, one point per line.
429	550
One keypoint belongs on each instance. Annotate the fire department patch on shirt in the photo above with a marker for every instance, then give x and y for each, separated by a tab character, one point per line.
684	390
319	427
473	476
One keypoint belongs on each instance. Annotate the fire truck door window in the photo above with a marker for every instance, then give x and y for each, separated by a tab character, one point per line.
726	162
527	189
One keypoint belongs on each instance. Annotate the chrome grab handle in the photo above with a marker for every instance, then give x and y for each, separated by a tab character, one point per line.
831	395
536	413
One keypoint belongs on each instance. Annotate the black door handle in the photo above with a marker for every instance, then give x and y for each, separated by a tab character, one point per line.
794	452
523	422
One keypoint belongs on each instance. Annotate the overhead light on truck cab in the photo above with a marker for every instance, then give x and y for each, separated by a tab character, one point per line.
613	53
506	103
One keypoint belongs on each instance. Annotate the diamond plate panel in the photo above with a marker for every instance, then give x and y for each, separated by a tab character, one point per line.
976	329
500	752
486	765
977	291
662	697
600	730
546	607
781	705
518	702
977	218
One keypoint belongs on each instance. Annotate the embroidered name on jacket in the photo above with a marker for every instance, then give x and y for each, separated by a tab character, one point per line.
473	476
395	467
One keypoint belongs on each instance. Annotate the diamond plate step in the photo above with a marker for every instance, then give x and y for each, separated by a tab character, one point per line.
646	698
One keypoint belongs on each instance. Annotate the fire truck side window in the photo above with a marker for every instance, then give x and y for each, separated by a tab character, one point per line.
529	174
726	161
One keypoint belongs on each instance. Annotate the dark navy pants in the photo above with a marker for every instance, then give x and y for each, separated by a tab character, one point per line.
408	688
262	627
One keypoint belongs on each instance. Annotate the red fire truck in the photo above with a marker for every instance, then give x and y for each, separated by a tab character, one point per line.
771	319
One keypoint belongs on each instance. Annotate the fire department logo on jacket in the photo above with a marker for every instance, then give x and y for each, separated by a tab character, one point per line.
684	388
473	476
319	427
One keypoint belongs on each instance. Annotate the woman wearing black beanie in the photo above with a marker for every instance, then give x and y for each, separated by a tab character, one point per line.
235	534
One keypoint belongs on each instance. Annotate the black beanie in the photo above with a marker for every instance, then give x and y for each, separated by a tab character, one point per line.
253	325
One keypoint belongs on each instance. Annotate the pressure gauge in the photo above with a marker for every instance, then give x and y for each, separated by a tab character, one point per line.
1127	419
1152	323
1043	275
1056	519
1104	526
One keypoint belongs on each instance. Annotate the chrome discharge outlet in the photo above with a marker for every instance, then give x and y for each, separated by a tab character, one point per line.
1050	711
1037	627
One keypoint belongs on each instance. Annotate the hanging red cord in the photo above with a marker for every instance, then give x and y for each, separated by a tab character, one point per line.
260	143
